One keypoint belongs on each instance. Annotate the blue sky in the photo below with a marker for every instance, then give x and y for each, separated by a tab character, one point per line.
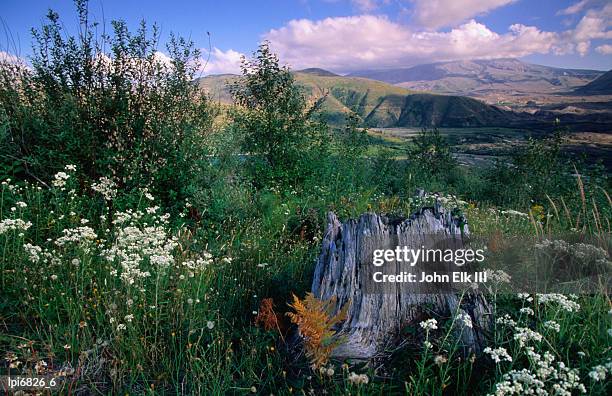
345	35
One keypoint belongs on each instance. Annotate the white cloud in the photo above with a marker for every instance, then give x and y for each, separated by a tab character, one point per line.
351	43
574	8
162	58
605	49
582	5
432	14
595	24
222	62
5	57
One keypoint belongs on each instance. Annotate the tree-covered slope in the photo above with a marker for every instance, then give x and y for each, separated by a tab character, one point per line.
378	104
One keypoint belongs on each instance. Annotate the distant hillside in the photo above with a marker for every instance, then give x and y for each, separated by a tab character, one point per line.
481	77
450	111
379	104
318	72
600	86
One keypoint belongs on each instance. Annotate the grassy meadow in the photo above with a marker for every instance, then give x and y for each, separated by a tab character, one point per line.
152	240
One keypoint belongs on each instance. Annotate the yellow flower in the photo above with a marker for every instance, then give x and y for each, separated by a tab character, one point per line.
537	211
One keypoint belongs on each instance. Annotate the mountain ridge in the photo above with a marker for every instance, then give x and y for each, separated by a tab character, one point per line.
483	76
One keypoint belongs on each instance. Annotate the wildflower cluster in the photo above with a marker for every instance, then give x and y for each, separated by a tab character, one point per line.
562	301
513	212
358	379
498	354
447	201
199	264
543	376
60	178
7	225
600	372
140	241
429	324
583	253
465	319
79	236
105	187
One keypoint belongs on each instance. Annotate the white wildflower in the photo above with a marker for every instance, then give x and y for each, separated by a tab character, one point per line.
506	320
59	180
598	373
78	235
552	325
523	335
465	319
525	296
498	276
562	301
429	324
498	355
33	252
105	187
358	379
137	244
440	360
14	225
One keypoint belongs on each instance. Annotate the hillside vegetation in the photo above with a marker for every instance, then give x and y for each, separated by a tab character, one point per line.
378	104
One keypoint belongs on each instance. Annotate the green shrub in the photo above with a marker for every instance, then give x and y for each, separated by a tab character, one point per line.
128	112
282	138
430	152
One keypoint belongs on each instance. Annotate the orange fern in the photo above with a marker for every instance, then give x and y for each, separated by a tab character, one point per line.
315	320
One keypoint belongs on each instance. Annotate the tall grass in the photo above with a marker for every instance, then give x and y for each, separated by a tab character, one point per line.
127	299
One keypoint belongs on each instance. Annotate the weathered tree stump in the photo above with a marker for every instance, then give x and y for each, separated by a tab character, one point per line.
375	318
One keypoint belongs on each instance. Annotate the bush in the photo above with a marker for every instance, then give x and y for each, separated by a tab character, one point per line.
282	138
430	152
130	113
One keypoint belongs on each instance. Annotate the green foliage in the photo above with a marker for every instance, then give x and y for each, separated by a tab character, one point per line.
430	152
281	136
126	113
532	172
352	140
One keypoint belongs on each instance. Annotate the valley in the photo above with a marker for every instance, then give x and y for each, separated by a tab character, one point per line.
483	146
485	108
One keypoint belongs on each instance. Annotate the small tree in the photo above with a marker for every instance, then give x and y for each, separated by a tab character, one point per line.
282	137
430	152
352	140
